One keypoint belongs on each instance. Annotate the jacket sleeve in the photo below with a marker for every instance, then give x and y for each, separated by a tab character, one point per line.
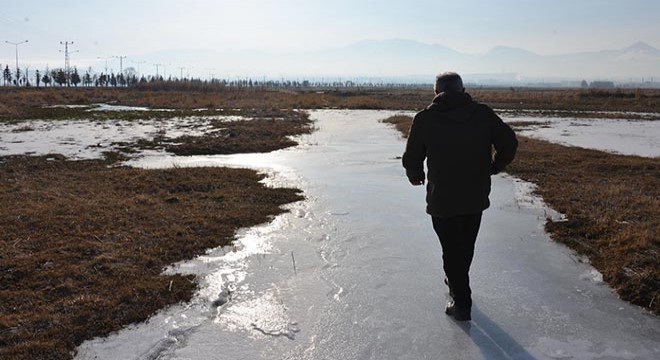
413	157
505	143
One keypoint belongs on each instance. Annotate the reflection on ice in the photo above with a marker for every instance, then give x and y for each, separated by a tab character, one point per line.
626	137
266	314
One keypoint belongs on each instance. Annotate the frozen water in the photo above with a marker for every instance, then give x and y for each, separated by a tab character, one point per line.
367	280
109	107
86	139
626	137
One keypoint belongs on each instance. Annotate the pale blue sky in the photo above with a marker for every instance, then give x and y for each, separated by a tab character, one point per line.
122	27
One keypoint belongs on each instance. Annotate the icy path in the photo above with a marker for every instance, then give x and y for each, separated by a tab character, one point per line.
367	281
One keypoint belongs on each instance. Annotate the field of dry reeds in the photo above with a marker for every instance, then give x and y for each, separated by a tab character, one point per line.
612	205
25	103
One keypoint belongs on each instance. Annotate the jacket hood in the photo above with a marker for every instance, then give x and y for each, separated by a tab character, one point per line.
457	106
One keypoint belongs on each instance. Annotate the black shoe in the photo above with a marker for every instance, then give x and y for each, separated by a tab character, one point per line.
459	313
451	292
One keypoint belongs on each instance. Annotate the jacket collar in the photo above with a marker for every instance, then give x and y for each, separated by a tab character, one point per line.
450	100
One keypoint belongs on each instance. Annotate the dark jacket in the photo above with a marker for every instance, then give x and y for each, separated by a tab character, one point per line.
456	136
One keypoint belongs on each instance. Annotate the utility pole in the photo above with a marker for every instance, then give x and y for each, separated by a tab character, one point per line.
181	69
66	60
121	68
164	74
16	45
157	65
138	65
121	63
106	62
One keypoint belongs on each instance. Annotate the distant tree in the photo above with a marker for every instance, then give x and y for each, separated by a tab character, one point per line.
17	77
113	80
60	77
37	77
6	75
46	78
26	78
75	77
584	84
87	78
130	75
103	80
53	76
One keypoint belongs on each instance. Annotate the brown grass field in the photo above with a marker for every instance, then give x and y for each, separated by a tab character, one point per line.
83	244
26	103
612	203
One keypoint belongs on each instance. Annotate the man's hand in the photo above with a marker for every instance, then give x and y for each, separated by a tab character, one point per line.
417	182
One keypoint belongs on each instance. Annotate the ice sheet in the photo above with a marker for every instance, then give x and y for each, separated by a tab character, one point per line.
87	139
626	137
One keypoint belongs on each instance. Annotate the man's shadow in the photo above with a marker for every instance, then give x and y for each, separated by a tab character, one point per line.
492	341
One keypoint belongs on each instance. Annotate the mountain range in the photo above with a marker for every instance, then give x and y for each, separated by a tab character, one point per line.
417	61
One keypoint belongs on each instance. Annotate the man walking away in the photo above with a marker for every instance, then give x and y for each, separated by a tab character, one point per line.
456	136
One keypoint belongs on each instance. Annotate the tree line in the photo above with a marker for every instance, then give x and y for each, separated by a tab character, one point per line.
60	77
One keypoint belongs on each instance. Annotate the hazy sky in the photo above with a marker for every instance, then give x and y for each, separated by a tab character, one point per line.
136	27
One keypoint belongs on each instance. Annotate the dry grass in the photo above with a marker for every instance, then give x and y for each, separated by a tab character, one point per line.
400	122
24	103
612	203
570	100
83	245
257	135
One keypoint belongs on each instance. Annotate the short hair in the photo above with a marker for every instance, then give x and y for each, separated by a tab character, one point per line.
448	81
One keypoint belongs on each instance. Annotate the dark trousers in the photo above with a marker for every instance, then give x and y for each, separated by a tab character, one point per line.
457	236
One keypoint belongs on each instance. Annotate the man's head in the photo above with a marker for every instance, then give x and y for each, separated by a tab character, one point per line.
448	82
